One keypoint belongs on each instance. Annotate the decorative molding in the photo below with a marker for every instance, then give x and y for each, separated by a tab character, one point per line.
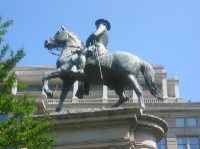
106	127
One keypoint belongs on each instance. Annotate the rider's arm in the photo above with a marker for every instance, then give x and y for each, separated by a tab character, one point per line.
100	30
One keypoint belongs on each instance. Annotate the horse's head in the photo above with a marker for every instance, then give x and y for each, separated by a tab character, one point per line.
63	39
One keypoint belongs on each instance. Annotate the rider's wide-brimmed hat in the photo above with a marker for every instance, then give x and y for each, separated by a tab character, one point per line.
103	21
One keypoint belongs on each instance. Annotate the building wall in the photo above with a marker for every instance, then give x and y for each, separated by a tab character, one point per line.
170	112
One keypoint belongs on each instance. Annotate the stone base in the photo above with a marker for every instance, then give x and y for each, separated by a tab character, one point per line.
107	128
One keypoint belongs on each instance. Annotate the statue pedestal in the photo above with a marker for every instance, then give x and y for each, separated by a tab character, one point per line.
107	128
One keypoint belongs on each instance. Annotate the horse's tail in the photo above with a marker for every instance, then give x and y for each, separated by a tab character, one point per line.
148	72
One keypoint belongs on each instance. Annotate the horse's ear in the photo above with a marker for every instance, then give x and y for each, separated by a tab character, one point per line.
63	28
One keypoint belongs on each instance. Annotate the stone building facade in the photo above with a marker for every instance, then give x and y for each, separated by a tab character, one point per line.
183	118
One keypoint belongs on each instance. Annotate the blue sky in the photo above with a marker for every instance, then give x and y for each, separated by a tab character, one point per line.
163	32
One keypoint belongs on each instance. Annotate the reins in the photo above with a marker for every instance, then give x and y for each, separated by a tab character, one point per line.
57	49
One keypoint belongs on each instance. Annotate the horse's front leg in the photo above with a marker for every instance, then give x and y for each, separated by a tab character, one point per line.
46	77
65	89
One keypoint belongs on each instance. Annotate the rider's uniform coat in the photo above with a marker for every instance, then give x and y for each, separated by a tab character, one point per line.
99	37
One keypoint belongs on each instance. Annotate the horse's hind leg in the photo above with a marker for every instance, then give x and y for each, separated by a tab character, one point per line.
138	90
65	89
122	97
83	89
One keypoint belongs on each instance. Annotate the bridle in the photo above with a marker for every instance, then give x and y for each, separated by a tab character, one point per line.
57	49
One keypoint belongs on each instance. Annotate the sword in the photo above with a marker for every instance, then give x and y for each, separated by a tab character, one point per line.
97	55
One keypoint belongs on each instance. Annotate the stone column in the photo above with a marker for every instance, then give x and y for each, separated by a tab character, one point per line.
164	87
134	97
176	87
105	94
75	88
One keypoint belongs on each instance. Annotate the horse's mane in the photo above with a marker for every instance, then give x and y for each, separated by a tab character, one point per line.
74	34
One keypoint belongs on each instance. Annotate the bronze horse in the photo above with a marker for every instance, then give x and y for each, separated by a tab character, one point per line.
120	70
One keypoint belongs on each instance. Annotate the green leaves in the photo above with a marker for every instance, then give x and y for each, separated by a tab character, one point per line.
27	133
4	25
19	130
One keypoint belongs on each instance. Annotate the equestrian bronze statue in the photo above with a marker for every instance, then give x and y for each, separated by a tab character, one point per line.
119	69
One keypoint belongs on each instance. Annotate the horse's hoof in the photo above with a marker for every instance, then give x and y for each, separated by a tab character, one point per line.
57	109
141	110
115	105
142	107
49	93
